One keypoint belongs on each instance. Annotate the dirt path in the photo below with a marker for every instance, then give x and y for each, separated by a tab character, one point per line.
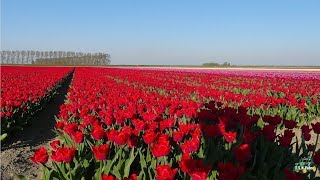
15	152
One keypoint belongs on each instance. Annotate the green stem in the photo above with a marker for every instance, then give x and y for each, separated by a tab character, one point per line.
69	170
43	172
315	145
100	169
229	146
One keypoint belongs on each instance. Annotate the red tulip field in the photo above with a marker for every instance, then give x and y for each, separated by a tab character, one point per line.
151	123
24	91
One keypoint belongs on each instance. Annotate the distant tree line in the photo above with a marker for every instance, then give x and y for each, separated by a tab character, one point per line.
98	59
54	58
214	64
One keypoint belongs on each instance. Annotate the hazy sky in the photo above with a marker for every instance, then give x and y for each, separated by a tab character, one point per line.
272	32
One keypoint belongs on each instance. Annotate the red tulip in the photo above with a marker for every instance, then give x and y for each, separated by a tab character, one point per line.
106	177
55	143
97	132
149	137
122	138
132	177
198	170
100	152
286	139
78	137
161	147
60	125
71	128
167	123
230	136
63	154
178	136
306	132
164	172
190	146
40	156
290	124
111	135
316	158
242	153
139	124
316	127
268	132
272	120
133	141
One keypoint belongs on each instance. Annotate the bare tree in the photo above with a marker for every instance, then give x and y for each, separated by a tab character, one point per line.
54	57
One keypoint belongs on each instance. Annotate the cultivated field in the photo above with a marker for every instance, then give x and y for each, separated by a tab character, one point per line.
160	123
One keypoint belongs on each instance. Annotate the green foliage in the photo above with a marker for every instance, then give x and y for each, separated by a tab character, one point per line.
214	64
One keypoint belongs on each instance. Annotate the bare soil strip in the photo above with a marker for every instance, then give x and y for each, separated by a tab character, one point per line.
17	149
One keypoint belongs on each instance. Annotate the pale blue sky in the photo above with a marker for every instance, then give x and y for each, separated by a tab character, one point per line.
272	32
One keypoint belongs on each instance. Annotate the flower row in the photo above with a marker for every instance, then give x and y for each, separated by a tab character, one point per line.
111	127
23	91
